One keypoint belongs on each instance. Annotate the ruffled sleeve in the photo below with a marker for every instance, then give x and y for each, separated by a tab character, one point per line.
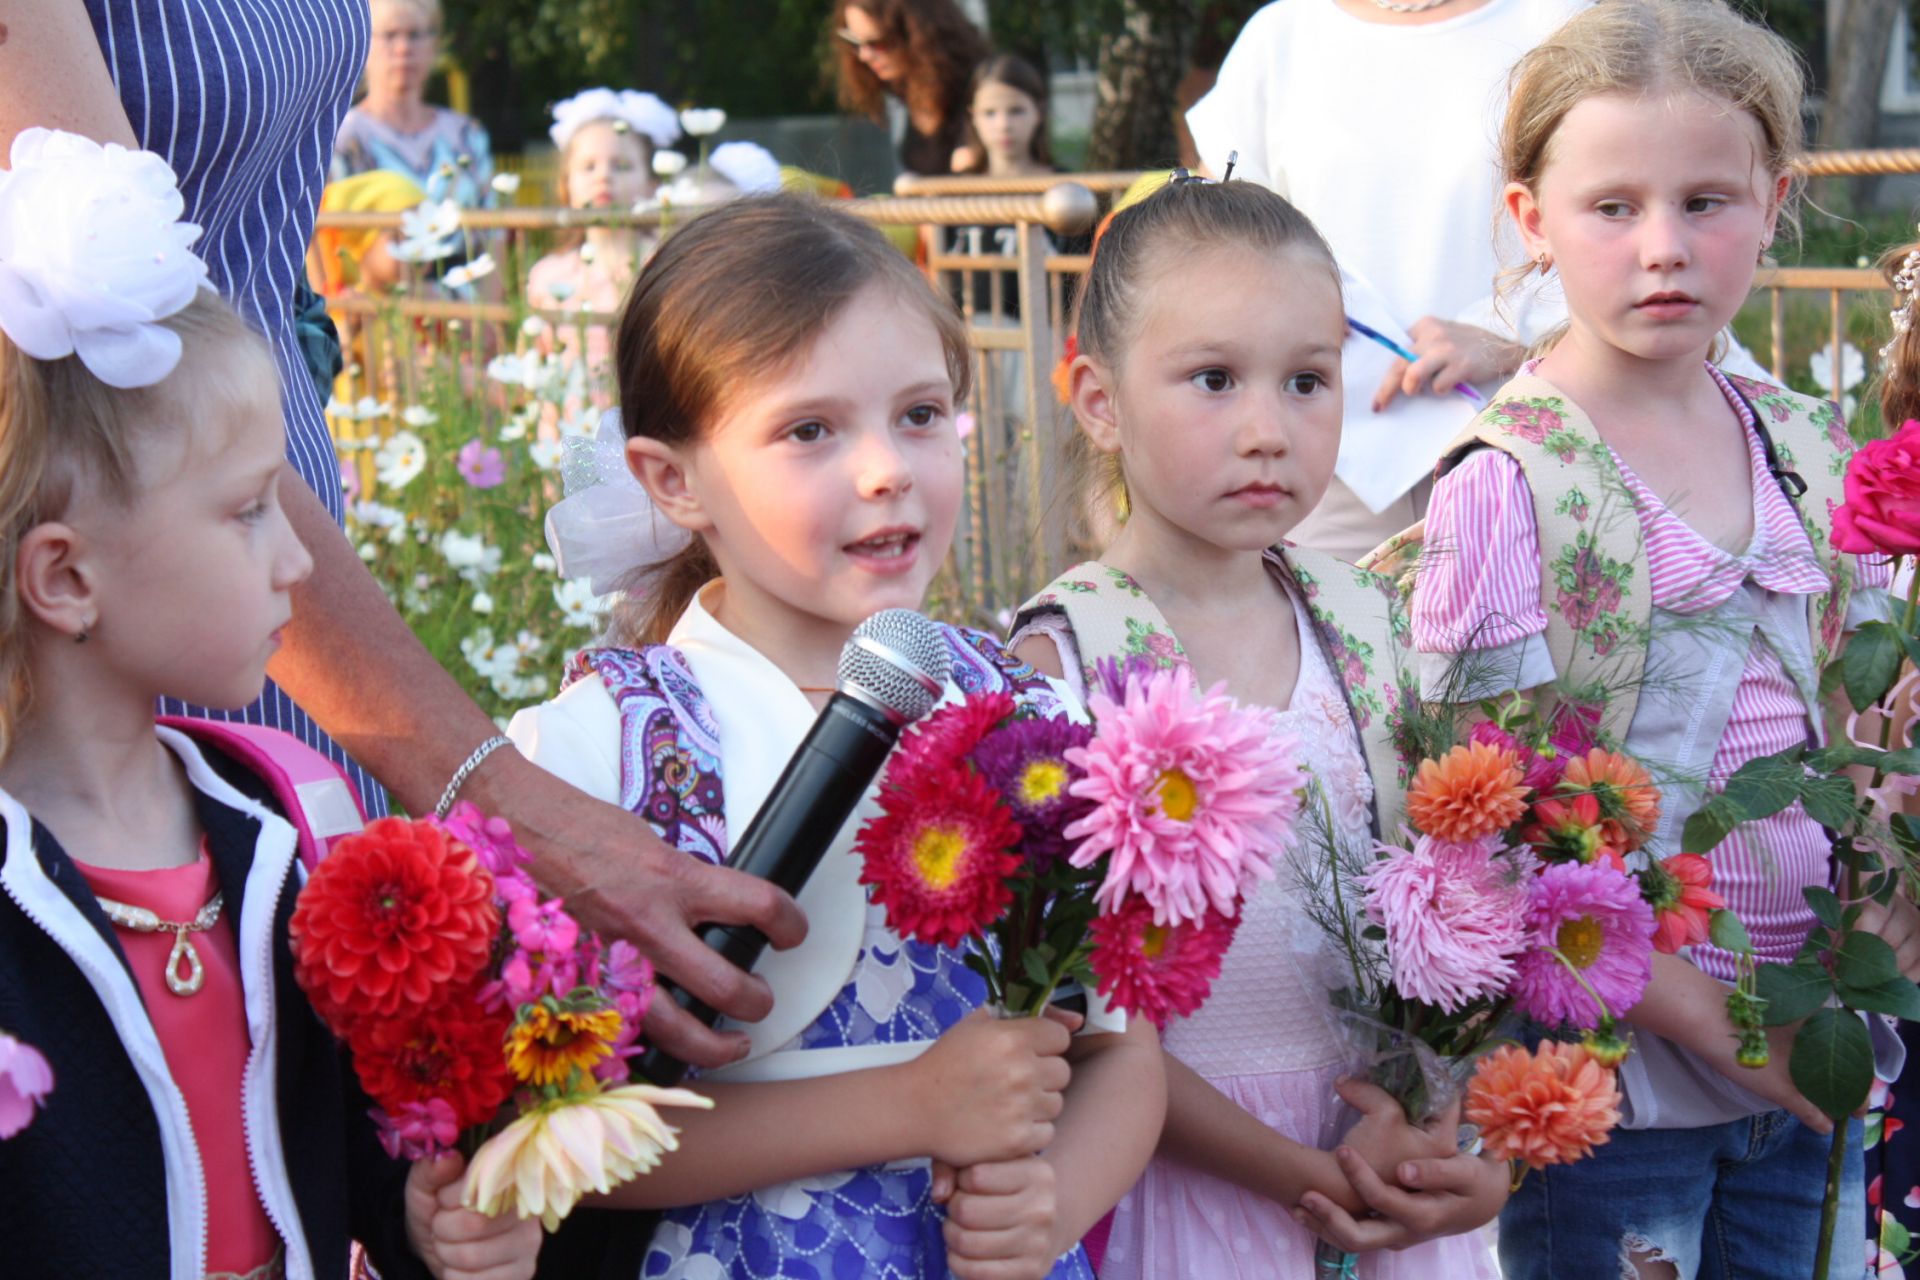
1478	589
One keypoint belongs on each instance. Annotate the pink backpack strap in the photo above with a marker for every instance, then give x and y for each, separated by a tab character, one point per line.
313	792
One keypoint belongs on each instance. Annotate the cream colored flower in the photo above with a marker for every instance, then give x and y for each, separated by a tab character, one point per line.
542	1163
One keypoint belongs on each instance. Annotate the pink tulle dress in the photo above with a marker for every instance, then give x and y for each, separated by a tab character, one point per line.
1265	1039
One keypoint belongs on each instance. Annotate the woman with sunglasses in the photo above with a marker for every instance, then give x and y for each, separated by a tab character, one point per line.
918	53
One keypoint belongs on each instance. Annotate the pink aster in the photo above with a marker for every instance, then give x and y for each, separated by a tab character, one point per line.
25	1079
480	465
418	1130
1157	971
1193	795
1594	916
1455	916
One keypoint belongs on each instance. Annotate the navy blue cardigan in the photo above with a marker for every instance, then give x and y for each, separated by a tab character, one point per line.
83	1187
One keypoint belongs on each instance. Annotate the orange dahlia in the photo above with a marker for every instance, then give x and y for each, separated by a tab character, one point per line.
1551	1106
396	918
1683	903
1472	791
1629	802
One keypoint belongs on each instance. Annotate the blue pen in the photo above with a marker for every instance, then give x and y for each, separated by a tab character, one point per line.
1472	396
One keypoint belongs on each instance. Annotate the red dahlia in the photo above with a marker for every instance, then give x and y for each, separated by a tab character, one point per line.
396	918
455	1052
939	854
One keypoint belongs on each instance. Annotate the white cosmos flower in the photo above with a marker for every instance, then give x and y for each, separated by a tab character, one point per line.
1853	368
377	515
669	164
533	327
579	606
544	562
462	276
470	556
400	459
363	410
545	454
702	121
417	415
506	183
482	602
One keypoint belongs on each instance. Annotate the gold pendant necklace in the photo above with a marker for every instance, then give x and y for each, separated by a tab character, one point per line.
141	920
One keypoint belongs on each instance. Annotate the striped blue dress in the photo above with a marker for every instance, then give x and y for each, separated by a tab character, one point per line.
243	98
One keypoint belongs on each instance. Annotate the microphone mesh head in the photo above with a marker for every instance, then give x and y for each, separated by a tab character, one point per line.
891	660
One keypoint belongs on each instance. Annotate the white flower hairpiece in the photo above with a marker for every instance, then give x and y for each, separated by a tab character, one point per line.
607	526
641	112
93	255
747	165
1905	281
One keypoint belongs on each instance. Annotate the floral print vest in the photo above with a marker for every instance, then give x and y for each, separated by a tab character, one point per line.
1595	585
1359	623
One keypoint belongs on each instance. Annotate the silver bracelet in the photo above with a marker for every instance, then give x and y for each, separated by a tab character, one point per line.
465	771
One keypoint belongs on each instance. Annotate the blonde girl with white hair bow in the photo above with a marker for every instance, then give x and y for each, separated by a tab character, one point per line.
147	876
607	142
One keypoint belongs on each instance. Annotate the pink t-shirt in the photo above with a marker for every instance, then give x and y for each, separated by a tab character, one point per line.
1486	594
204	1037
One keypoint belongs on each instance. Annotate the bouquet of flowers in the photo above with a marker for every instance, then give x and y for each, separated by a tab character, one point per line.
1114	854
1521	888
426	946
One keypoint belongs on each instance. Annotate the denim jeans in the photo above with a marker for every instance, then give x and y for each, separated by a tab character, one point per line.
1738	1201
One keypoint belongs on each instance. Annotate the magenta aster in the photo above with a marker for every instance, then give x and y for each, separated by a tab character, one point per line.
1193	795
1153	970
947	736
938	855
1455	916
1594	916
1026	762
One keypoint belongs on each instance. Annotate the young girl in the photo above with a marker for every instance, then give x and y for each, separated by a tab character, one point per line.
606	142
788	384
1006	121
1629	527
203	1121
1210	334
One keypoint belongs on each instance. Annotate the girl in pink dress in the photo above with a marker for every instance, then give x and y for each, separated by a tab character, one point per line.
607	142
1209	370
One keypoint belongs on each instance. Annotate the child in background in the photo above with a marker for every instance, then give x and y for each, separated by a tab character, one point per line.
607	141
787	386
1622	509
1006	121
1209	368
203	1120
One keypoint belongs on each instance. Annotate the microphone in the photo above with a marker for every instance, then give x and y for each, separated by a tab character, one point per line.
891	673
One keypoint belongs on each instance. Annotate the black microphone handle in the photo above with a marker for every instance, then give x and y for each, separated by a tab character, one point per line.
815	794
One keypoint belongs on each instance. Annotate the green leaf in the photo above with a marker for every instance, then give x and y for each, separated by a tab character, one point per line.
1765	785
1871	661
1830	801
1374	933
1896	996
1832	1061
1842	756
1036	969
1826	907
1728	934
1792	991
1865	960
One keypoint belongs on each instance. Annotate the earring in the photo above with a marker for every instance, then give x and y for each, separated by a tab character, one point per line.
1544	262
80	636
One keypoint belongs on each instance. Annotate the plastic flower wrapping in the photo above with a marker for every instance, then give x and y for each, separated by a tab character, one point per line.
481	1014
1115	855
1520	891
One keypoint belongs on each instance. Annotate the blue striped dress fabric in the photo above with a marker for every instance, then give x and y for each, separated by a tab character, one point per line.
243	98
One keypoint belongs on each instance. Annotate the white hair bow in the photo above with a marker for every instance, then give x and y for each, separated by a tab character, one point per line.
607	528
93	255
641	112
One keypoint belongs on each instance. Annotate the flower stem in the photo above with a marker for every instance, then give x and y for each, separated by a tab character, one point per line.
1830	1205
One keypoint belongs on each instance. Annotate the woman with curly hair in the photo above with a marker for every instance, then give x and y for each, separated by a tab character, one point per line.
921	52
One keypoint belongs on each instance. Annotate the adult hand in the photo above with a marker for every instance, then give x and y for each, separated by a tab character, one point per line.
1449	353
622	881
1437	1197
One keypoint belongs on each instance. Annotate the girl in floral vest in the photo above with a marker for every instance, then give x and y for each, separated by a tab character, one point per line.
1209	371
1628	530
784	465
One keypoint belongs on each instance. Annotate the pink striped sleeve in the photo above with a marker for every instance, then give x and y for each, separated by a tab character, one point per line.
1479	579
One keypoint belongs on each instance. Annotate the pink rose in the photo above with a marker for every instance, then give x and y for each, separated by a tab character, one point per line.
1882	510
